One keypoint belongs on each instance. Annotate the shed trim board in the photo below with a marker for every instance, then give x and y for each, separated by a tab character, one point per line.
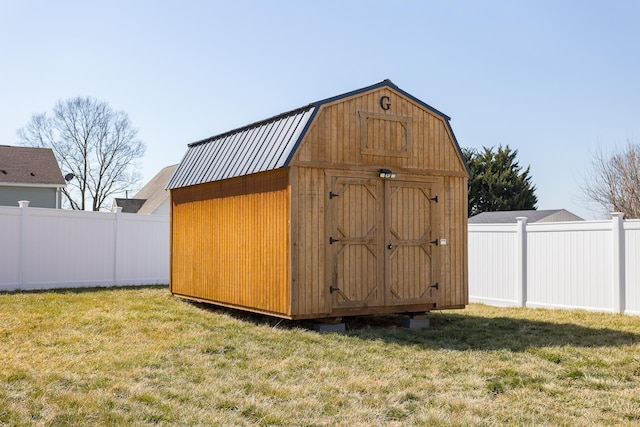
291	217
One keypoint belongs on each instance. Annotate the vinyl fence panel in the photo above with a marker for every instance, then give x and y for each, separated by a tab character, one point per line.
632	272
67	248
146	261
53	248
492	264
569	265
590	265
10	246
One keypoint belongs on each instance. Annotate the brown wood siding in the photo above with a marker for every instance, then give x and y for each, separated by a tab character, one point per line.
308	242
453	255
335	141
335	136
230	242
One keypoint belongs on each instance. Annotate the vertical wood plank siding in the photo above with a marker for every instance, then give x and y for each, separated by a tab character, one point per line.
334	141
308	241
230	242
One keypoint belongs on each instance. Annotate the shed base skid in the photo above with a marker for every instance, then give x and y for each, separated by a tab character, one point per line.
410	310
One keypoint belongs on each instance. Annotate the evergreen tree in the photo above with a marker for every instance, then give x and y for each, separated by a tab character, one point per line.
498	182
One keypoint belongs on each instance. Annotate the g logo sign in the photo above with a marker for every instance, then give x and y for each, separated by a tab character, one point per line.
385	103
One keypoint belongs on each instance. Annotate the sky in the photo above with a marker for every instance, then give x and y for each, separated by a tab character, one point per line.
555	80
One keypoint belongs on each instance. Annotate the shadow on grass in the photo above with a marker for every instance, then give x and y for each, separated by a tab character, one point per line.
81	289
465	332
459	331
448	330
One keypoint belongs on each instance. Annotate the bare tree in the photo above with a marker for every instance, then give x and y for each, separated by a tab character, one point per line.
98	145
614	181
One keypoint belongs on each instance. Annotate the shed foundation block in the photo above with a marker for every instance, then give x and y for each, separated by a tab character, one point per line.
330	325
415	322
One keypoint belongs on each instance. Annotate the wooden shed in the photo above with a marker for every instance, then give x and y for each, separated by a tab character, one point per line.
356	204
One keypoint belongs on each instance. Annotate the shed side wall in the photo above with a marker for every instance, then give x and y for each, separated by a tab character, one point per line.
230	242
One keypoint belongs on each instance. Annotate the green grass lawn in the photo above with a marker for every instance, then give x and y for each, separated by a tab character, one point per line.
138	356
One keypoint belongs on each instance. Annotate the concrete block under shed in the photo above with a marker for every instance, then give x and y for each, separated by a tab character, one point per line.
329	327
416	322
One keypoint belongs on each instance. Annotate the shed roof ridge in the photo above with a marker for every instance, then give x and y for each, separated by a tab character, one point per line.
254	125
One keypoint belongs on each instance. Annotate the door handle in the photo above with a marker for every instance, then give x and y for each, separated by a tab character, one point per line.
389	246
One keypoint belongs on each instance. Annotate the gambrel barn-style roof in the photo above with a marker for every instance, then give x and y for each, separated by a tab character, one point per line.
265	145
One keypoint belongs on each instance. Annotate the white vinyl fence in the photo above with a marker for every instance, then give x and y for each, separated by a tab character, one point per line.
590	265
53	248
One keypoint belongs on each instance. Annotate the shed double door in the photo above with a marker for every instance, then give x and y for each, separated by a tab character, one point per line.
381	248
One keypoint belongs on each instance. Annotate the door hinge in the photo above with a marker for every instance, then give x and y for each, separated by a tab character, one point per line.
332	240
435	242
436	286
434	199
332	195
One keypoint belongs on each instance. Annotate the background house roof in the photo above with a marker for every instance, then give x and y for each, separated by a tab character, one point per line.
261	146
129	205
151	196
155	191
502	217
29	165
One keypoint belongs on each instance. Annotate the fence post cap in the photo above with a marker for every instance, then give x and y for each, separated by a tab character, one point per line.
617	214
23	203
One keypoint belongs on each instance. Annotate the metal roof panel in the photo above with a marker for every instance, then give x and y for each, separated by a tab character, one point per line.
255	148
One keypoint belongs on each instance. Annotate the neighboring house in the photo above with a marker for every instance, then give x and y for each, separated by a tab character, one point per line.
503	217
152	198
29	173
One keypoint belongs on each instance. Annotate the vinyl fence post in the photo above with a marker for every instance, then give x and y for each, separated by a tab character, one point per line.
118	212
618	262
24	205
521	254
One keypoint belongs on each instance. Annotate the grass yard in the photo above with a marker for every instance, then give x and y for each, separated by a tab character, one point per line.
138	356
